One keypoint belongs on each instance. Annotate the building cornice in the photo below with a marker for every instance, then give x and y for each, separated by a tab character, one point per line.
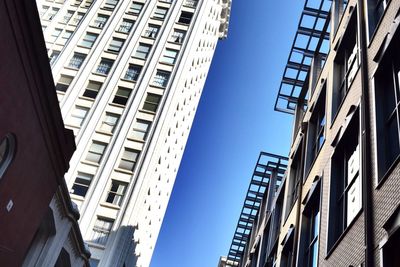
224	18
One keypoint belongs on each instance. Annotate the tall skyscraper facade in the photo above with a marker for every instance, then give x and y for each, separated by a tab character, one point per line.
129	76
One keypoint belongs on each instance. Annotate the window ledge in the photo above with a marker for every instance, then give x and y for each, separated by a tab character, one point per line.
123	171
157	87
77	197
176	43
136	140
109	205
117	105
99	74
167	64
126	80
90	163
87	98
104	132
148	112
71	68
95	245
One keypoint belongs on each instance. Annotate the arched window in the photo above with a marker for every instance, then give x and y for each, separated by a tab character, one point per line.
7	152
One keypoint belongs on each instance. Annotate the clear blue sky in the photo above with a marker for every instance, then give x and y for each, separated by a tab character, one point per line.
234	122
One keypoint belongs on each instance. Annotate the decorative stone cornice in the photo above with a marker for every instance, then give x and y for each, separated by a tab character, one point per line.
224	18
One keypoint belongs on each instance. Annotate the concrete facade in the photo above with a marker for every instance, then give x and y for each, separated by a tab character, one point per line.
340	192
129	76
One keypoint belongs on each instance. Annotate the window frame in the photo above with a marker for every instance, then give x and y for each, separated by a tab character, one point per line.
150	103
93	153
114	195
126	163
120	97
345	153
76	60
84	186
103	68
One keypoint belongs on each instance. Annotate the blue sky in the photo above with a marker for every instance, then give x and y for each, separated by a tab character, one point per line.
234	122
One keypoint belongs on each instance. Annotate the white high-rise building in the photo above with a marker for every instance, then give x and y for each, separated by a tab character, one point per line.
129	76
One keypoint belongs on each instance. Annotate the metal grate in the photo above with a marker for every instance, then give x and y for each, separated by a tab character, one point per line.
312	37
267	165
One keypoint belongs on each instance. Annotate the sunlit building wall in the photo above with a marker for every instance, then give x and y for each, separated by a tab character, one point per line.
129	76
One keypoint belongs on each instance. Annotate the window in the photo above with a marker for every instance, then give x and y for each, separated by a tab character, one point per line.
76	60
152	31
136	8
88	3
151	102
89	39
316	130
65	37
295	178
109	122
92	89
96	151
116	192
133	72
115	45
161	78
308	249
312	249
121	96
110	4
67	16
126	26
185	17
77	2
128	159
78	115
77	18
54	35
101	230
387	98
7	152
142	51
140	129
178	36
345	185
287	250
52	13
104	66
190	3
43	10
100	21
346	64
160	13
53	57
376	9
81	184
169	56
63	83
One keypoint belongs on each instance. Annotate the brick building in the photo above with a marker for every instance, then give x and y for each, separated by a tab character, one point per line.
338	201
38	222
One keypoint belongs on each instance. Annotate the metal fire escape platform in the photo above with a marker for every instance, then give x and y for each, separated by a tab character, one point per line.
312	36
267	165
